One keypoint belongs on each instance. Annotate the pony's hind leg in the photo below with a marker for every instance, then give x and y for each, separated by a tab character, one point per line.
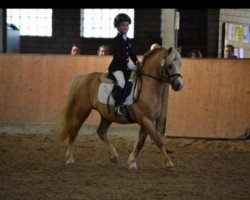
69	159
137	148
102	133
76	123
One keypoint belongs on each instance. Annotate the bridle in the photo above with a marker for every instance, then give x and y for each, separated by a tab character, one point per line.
168	78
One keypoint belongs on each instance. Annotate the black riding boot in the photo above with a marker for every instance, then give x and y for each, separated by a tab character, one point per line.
119	100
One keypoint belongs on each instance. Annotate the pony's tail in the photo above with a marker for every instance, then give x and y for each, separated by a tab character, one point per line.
64	126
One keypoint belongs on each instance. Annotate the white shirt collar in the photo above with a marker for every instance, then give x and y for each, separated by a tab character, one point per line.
124	36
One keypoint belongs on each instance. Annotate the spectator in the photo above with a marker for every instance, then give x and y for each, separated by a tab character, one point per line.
229	52
195	53
75	49
103	50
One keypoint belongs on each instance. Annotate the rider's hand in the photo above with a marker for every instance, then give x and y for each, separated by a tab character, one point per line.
138	63
132	66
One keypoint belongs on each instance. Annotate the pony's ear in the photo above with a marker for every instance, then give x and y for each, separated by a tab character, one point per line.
169	51
179	49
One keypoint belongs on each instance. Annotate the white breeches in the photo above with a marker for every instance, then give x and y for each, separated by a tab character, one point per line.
120	78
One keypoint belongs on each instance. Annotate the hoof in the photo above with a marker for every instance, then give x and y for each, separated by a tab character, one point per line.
114	159
69	160
133	166
168	165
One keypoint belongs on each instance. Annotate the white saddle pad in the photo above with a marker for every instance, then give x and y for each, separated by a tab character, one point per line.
105	90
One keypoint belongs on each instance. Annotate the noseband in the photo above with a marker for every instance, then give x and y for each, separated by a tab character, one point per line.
169	77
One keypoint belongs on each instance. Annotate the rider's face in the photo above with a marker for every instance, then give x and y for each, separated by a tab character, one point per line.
123	27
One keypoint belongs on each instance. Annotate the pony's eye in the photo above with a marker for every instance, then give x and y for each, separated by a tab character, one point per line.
169	66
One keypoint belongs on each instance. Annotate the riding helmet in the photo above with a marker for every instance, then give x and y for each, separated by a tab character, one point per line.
122	17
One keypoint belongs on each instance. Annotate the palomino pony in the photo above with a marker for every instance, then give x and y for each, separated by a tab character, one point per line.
158	66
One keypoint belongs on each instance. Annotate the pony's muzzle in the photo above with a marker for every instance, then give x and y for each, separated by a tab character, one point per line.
177	85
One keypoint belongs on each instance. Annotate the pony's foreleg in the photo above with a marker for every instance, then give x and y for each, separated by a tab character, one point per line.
149	126
137	148
102	133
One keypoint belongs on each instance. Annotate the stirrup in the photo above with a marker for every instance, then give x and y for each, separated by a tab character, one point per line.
120	110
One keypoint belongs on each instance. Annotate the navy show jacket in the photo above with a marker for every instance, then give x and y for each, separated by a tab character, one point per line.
122	51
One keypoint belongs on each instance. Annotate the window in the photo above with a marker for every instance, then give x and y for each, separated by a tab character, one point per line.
99	23
31	22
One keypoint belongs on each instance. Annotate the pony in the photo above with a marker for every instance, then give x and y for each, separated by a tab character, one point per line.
158	67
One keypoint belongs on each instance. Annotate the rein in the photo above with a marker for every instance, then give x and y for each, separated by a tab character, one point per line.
166	80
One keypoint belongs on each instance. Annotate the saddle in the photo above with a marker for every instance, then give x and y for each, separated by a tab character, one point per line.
108	88
109	78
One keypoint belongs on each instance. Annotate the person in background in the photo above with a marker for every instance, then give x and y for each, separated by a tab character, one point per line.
229	52
75	49
103	50
195	54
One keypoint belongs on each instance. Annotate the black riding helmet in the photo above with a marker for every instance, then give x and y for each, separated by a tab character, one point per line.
122	17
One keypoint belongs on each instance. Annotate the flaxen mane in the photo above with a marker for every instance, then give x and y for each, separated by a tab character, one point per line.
151	53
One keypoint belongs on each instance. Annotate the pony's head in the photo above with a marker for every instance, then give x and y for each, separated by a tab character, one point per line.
171	64
163	65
